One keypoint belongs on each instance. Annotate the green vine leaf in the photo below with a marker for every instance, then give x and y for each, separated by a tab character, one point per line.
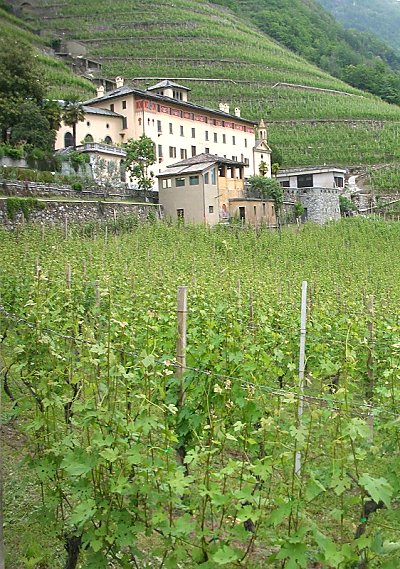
225	555
377	488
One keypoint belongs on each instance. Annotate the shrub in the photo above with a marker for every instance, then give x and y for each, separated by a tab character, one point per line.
25	205
77	186
14	152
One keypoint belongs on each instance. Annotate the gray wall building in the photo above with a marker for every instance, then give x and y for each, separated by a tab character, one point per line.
317	189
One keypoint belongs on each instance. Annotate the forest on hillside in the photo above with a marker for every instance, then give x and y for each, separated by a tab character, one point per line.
382	17
358	58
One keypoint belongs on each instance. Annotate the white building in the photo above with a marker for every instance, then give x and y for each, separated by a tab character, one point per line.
179	129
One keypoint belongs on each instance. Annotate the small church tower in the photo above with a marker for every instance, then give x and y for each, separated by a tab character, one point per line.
262	152
262	131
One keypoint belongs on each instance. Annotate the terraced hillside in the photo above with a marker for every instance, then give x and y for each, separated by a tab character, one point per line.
221	57
61	82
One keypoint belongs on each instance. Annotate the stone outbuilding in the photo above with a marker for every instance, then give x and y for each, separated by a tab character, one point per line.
316	188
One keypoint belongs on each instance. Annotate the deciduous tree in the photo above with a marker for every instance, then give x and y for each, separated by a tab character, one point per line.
140	156
19	81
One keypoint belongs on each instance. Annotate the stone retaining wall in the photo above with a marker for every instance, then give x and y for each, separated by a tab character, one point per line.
36	190
59	212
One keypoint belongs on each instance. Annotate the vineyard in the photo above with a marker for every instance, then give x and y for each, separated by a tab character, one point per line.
385	179
222	57
61	83
149	432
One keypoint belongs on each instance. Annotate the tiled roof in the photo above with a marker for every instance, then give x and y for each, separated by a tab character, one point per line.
103	112
206	158
309	170
190	169
197	163
167	83
125	90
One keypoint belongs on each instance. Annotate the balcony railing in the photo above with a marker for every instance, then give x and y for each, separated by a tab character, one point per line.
101	147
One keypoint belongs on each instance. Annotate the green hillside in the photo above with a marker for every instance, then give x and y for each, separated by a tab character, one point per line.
382	17
223	57
305	27
60	81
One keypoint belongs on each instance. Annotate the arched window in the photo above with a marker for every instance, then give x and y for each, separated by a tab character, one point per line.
68	139
88	138
108	140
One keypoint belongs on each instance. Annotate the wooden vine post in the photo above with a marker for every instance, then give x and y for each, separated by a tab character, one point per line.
66	227
369	392
302	359
181	342
180	370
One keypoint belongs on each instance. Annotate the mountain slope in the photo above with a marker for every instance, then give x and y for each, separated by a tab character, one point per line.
305	27
61	83
223	57
382	17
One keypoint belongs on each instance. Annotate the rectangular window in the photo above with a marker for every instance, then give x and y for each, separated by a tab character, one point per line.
124	122
179	182
285	184
181	130
112	107
170	128
224	138
160	153
180	213
172	152
193	133
124	104
183	153
167	183
210	209
213	177
207	150
245	142
234	140
206	178
305	181
159	129
215	137
255	210
193	180
193	151
206	135
339	182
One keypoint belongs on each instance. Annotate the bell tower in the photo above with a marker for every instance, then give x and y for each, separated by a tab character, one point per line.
262	130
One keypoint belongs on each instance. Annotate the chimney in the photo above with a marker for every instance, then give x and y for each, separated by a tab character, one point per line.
119	81
226	108
222	106
237	112
100	91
